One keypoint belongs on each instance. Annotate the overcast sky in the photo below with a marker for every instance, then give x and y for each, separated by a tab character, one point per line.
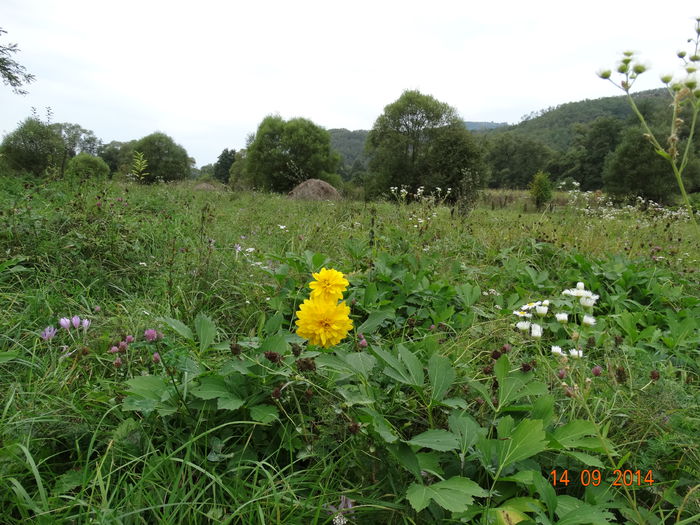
207	72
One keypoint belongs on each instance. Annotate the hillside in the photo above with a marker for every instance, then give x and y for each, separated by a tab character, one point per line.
554	126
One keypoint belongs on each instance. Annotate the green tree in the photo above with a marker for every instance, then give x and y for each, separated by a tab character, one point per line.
222	167
593	142
635	169
84	165
12	72
76	139
513	159
285	153
33	147
118	155
167	161
419	141
541	189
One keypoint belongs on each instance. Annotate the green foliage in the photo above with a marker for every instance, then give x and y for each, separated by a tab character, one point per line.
285	153
167	161
419	141
85	165
445	414
12	72
117	155
238	174
513	159
139	167
592	144
541	189
222	167
75	139
33	147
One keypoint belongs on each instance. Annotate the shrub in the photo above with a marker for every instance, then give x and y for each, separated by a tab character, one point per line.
541	189
86	165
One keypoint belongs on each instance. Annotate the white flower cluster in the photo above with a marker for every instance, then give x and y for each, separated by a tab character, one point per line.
576	354
586	297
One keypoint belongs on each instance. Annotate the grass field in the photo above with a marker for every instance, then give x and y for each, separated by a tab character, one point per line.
183	395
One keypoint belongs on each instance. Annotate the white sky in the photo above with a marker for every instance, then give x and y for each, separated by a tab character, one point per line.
207	72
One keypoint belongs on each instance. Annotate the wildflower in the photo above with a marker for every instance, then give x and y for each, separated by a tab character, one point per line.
64	322
114	350
75	321
273	357
580	286
48	333
237	247
597	370
530	306
123	346
536	330
117	362
150	334
282	227
577	354
323	322
588	301
541	310
522	313
156	357
97	308
85	324
556	350
654	375
250	250
129	339
523	325
562	317
588	320
363	343
329	285
561	374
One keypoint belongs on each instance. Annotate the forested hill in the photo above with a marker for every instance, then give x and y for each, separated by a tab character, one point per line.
554	126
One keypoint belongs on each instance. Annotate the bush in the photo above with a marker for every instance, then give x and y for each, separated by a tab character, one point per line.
541	189
167	160
34	146
85	165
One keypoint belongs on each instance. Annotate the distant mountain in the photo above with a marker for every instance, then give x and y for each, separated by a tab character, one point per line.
554	126
482	126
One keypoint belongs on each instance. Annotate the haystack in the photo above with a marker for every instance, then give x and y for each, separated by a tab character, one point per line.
315	190
205	186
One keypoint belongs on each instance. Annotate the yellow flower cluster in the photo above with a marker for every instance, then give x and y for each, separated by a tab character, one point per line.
321	318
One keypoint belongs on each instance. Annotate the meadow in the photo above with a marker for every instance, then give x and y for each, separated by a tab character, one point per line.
151	370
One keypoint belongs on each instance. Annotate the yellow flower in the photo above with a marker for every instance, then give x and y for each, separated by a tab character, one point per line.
323	323
329	285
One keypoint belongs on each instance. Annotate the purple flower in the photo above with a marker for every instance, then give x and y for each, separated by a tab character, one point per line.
363	343
117	362
64	322
85	324
123	346
129	339
150	334
97	308
114	350
238	247
75	320
48	333
156	357
345	506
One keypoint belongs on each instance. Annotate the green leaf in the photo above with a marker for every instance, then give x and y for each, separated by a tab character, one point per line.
206	331
375	319
413	365
586	459
215	387
514	444
572	511
467	430
380	425
569	435
274	323
275	343
407	458
454	494
264	413
361	363
436	439
370	295
180	327
455	402
468	294
6	357
441	375
149	387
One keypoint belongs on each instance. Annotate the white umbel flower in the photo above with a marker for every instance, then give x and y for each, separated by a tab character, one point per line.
588	320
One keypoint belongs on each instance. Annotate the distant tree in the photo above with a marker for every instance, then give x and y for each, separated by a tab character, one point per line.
33	147
222	167
634	169
285	153
117	155
513	159
167	160
207	170
13	73
420	141
238	175
85	166
592	143
541	189
76	139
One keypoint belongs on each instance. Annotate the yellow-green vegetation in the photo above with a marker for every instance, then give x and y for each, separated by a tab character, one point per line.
501	366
